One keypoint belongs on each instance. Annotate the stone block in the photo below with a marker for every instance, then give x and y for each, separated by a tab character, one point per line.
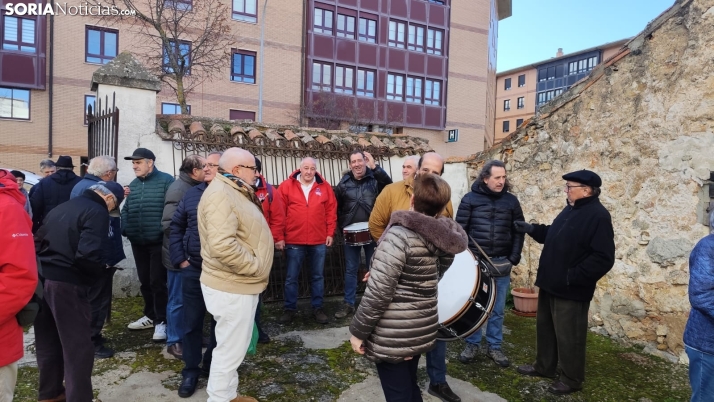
664	252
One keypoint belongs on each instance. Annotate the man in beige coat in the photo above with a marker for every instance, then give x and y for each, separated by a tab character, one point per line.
237	251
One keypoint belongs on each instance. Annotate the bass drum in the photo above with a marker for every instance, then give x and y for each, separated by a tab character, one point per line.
467	294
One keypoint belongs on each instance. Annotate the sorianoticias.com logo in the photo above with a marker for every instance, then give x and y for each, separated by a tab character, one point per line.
65	9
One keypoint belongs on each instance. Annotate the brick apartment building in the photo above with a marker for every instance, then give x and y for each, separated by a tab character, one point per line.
419	67
521	91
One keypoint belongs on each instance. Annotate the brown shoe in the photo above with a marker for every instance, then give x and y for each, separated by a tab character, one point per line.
175	350
287	316
60	398
559	388
244	399
320	316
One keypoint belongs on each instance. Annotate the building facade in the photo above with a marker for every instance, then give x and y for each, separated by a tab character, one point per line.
386	65
521	91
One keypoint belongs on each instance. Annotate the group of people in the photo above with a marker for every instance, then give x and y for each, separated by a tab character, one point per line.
205	242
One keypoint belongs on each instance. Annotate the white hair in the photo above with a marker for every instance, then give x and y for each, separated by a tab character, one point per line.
98	188
413	158
101	165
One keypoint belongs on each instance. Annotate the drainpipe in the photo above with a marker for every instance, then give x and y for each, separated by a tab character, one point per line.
262	57
50	84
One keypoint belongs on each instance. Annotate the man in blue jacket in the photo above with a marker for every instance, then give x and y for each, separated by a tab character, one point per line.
141	219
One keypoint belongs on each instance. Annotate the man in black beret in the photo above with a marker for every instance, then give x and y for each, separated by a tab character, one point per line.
579	249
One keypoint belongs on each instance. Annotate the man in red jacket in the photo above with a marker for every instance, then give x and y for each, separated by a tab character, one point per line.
18	278
310	222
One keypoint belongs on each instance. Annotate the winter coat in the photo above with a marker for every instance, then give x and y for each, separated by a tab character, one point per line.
113	245
184	240
50	192
579	249
236	243
69	244
273	208
308	222
699	332
487	217
144	207
174	194
355	198
398	317
395	197
18	267
27	206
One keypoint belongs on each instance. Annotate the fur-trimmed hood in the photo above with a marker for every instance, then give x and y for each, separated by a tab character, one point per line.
444	233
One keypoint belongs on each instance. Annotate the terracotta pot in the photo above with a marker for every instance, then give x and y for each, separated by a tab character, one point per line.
525	300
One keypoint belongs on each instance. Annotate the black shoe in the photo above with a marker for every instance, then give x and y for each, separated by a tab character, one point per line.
103	352
287	316
187	387
529	370
320	316
559	388
443	392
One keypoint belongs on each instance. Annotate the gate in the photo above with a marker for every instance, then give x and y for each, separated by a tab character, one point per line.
103	128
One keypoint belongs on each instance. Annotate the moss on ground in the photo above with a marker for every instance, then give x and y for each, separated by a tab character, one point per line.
284	370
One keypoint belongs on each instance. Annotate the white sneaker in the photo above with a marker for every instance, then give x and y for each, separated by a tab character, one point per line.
142	323
160	332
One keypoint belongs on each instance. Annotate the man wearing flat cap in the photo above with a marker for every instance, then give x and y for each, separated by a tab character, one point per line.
579	249
141	224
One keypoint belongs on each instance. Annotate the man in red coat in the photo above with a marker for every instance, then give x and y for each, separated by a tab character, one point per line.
18	278
310	222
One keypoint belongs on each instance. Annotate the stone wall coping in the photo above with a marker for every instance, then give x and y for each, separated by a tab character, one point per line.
125	71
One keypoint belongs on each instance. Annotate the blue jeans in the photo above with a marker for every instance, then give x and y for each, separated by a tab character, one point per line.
295	254
194	314
701	374
352	260
436	363
174	309
494	328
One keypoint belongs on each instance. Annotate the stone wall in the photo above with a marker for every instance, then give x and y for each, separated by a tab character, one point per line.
644	121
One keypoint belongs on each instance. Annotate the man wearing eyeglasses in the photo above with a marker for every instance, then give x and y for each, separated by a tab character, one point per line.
579	249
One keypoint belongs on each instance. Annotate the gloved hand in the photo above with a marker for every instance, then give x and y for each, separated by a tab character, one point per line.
523	227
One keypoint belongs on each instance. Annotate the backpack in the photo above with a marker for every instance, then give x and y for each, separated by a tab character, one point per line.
27	315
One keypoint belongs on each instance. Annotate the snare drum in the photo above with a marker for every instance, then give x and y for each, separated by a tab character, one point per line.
357	234
467	294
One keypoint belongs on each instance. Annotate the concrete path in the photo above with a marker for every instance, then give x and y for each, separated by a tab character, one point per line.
370	390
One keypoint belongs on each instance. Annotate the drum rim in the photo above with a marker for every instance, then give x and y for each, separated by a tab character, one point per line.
491	303
463	309
344	230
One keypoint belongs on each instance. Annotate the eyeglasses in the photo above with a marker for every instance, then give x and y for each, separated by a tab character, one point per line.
253	168
212	165
568	187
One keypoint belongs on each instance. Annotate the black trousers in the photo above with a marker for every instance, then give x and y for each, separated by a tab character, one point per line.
153	277
399	380
194	311
561	336
100	299
63	345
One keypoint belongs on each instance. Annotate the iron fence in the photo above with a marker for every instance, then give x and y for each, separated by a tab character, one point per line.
103	128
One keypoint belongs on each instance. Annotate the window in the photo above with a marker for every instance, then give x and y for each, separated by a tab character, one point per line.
395	87
180	54
521	80
434	41
432	94
365	83
592	62
551	73
521	102
442	2
506	126
573	67
582	66
519	122
542	73
179	4
19	34
321	77
323	21
241	115
415	39
507	105
243	66
100	45
507	84
345	26
367	30
396	34
89	100
173	108
245	10
14	103
344	80
414	86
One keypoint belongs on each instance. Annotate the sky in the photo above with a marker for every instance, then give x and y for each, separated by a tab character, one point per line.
538	28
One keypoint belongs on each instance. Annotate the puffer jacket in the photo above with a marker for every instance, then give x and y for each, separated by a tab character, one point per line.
308	222
488	218
144	207
395	197
355	198
273	208
174	194
236	243
699	332
398	317
184	240
50	192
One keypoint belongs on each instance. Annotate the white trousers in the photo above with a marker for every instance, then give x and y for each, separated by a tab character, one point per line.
235	317
8	378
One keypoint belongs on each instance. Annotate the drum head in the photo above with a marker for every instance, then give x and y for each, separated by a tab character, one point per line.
456	286
357	227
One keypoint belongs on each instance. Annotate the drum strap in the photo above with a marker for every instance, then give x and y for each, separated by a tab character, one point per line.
483	253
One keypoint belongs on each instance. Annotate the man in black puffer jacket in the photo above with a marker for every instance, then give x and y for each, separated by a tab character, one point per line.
487	215
52	191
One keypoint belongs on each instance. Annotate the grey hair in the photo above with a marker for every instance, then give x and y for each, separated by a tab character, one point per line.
98	188
413	158
485	172
190	163
47	163
101	165
219	153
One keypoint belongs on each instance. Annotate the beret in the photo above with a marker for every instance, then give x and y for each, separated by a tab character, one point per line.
584	177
